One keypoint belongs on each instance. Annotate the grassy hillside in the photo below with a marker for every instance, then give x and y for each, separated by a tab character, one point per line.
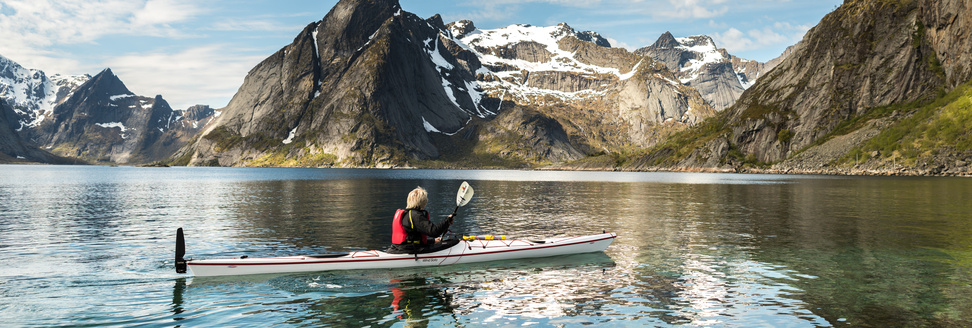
937	132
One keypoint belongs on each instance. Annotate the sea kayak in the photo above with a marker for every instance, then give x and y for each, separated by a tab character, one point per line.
468	250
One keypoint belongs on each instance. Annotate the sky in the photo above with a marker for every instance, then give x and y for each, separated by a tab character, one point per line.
198	52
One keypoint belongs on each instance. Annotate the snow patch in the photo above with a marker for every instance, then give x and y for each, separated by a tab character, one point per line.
435	55
112	125
117	97
429	128
290	137
670	81
372	37
118	125
317	56
317	52
745	84
634	70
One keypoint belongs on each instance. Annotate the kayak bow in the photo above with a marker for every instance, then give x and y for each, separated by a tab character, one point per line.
470	250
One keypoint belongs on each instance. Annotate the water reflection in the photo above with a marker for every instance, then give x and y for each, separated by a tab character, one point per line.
545	290
702	250
415	302
177	302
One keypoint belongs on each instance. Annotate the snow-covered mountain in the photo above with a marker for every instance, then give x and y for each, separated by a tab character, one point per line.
31	93
513	53
93	119
698	62
541	65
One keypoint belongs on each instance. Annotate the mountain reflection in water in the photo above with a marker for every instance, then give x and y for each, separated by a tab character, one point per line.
93	246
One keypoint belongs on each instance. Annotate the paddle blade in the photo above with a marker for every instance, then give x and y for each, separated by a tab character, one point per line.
180	251
464	195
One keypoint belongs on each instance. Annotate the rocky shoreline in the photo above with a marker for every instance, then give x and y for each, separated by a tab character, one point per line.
941	171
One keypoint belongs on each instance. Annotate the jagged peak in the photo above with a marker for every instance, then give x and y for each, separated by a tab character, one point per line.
108	82
593	37
697	41
461	28
561	30
351	23
665	41
436	22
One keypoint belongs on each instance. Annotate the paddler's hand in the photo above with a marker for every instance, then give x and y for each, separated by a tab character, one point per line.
452	218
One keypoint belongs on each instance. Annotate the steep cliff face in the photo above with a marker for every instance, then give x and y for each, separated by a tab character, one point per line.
364	86
947	26
865	55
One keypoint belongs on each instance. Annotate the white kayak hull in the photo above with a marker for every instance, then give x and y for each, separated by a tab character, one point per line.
467	251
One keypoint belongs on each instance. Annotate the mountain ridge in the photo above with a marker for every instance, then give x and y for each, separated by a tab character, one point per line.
372	85
85	119
868	72
393	90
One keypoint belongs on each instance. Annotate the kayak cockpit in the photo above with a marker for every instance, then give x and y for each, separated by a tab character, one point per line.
327	256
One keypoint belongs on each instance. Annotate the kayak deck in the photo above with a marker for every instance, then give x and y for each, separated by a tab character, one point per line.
466	251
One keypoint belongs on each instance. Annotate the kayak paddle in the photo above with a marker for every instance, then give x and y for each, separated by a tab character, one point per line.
463	196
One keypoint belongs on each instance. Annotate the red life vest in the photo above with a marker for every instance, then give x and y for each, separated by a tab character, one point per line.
399	236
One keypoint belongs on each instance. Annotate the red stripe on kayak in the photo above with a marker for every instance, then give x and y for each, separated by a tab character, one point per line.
559	244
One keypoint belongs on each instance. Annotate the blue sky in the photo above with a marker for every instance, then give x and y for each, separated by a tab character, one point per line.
198	52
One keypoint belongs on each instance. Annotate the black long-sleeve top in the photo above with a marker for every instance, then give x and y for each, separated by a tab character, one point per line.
417	223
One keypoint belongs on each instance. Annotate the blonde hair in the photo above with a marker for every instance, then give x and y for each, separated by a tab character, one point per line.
417	199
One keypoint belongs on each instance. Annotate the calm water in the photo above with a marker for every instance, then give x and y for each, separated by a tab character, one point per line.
93	246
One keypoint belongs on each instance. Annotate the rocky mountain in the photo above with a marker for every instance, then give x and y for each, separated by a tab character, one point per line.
875	84
696	61
534	65
88	119
360	86
104	122
373	85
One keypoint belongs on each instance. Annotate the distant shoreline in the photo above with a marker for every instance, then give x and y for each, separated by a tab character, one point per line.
901	172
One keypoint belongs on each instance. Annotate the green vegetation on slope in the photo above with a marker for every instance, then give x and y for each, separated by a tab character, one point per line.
680	145
941	126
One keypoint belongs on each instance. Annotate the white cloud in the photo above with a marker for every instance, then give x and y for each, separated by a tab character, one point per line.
733	40
204	75
691	9
45	22
779	34
33	30
163	12
618	44
246	24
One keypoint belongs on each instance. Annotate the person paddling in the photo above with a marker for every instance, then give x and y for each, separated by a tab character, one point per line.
412	228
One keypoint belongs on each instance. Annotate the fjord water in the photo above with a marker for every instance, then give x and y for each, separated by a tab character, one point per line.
93	246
